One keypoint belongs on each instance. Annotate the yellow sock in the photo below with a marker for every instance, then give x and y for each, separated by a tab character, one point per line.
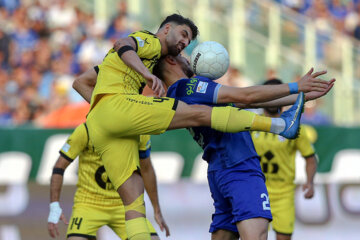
230	119
137	229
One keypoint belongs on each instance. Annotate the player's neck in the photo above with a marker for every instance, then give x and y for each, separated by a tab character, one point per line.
173	77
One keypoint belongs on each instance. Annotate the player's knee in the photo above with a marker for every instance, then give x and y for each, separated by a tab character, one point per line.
155	237
136	207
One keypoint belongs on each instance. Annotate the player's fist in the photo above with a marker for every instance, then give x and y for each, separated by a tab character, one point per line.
155	84
308	188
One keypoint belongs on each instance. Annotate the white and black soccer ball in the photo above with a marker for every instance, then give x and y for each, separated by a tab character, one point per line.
209	59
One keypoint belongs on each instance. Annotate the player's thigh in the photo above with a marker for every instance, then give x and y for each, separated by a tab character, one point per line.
283	210
120	157
117	222
85	221
222	234
253	228
127	115
191	116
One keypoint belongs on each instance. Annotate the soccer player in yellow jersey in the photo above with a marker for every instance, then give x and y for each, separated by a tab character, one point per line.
96	202
119	114
278	164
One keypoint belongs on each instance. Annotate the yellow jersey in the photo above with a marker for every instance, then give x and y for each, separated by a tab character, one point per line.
278	158
94	186
116	77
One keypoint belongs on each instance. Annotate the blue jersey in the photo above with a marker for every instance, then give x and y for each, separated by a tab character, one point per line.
221	150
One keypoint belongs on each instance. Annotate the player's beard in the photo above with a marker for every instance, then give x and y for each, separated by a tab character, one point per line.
173	50
172	47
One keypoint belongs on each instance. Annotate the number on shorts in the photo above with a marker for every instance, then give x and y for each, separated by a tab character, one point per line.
266	203
77	222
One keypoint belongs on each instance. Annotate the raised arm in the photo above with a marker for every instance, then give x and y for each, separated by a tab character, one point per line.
259	94
288	100
85	83
55	190
126	50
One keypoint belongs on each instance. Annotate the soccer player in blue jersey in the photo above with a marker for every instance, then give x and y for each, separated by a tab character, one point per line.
235	178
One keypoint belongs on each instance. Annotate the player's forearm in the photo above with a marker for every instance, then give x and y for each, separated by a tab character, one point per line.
311	166
252	95
150	183
131	59
85	84
284	101
55	187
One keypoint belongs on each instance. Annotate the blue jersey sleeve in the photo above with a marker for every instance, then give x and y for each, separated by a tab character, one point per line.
197	90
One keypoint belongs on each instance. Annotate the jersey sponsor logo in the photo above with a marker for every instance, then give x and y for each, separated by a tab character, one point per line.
190	86
66	147
202	86
140	41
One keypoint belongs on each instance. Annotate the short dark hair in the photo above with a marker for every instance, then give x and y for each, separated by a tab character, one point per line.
273	81
180	20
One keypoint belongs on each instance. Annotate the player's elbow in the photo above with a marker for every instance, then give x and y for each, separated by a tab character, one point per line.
76	84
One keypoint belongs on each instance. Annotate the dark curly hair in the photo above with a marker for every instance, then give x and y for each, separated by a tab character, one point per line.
180	20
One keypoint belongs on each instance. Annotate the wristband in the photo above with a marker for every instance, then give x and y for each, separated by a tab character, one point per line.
294	88
55	212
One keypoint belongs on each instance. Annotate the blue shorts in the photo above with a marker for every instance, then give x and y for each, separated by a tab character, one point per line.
239	193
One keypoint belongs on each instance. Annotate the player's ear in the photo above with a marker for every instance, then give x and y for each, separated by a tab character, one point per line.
167	28
170	59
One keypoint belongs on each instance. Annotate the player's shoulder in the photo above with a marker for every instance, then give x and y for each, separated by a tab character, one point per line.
144	35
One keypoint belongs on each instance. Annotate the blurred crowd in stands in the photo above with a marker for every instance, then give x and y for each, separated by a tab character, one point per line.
330	15
44	45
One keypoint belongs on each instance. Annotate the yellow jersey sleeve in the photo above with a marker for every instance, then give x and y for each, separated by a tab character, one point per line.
75	144
147	45
303	144
144	146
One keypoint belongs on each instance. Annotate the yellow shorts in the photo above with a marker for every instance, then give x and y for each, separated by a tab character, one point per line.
115	124
283	211
87	219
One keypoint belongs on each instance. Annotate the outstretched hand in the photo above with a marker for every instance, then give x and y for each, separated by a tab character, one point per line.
161	222
312	95
310	82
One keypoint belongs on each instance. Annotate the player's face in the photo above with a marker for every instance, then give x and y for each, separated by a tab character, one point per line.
185	66
178	38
